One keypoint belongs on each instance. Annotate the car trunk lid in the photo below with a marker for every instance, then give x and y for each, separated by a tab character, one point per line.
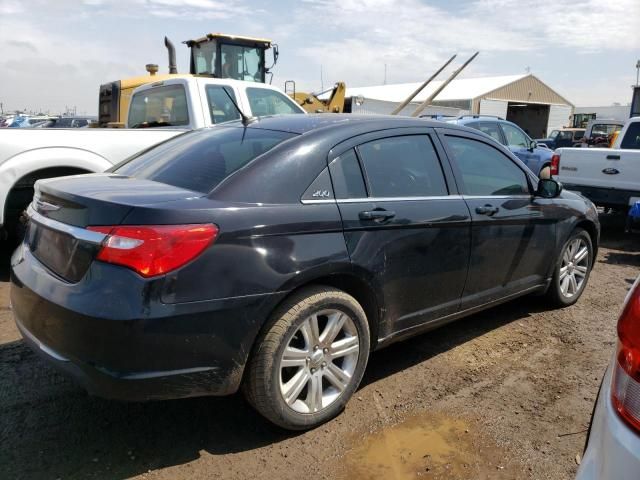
62	208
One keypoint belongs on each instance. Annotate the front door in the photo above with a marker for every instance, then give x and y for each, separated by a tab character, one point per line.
519	144
402	224
513	232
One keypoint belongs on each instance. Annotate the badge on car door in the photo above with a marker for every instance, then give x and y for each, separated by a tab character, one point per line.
611	171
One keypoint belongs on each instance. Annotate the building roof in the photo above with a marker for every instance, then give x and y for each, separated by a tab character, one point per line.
458	89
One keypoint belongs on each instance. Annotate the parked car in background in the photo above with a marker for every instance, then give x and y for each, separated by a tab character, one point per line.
564	137
157	112
610	177
613	442
66	122
510	135
599	133
275	255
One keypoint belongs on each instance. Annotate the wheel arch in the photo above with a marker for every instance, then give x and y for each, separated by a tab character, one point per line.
34	163
592	230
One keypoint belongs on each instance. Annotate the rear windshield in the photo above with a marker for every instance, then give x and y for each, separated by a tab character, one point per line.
201	159
164	106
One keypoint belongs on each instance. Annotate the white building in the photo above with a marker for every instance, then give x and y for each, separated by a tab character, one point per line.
522	99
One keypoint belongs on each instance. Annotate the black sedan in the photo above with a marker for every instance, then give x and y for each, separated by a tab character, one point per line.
275	256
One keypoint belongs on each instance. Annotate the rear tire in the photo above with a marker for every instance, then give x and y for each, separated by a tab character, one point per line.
573	267
310	359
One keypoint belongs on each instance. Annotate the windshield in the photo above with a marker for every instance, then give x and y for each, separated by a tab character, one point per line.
201	159
164	106
554	133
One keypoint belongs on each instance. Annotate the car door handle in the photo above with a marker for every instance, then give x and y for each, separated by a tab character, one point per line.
376	215
487	210
613	157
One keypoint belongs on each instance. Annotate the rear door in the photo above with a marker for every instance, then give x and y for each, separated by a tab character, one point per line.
513	233
404	223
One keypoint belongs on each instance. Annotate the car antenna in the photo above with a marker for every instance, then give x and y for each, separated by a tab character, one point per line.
245	120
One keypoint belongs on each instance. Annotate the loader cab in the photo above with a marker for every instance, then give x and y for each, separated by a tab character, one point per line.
225	56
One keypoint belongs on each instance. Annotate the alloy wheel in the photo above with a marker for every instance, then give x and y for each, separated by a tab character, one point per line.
574	268
318	361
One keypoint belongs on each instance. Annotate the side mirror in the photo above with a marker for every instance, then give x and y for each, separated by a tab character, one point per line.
533	145
548	188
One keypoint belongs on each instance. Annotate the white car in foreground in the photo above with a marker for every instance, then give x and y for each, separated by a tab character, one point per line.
613	448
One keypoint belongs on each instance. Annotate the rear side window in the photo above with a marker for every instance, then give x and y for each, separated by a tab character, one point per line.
220	105
485	170
631	139
347	176
269	102
159	107
201	159
405	166
489	128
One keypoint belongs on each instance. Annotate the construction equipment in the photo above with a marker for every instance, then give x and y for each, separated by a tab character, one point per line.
635	102
312	102
214	55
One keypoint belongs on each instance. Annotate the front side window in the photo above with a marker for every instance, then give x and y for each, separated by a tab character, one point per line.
406	166
565	135
264	102
221	107
201	159
164	106
515	137
485	170
241	63
489	128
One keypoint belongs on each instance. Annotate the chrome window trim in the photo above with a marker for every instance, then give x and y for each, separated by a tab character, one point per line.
76	232
474	197
383	199
409	199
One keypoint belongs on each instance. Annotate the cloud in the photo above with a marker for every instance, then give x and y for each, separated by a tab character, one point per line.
11	7
573	45
22	45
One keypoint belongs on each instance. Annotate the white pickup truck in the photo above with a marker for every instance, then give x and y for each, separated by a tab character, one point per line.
609	177
157	112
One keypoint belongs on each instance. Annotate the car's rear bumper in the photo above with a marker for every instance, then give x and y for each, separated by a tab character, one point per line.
605	197
157	351
613	450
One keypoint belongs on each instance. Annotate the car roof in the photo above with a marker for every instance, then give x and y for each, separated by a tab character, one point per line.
301	124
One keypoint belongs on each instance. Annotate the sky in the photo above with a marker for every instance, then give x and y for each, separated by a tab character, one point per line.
55	54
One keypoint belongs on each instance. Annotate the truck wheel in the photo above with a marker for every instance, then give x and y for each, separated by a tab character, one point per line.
573	267
309	361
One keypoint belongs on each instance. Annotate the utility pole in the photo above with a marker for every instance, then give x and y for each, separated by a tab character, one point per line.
637	72
385	74
321	80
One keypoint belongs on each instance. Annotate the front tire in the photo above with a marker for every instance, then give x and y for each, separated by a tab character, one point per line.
573	268
310	360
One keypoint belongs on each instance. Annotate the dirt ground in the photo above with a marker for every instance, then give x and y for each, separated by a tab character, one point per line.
504	394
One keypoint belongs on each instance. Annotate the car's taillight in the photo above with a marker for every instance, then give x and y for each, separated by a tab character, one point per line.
555	164
626	377
154	250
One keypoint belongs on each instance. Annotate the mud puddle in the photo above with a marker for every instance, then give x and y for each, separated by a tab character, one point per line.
427	446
